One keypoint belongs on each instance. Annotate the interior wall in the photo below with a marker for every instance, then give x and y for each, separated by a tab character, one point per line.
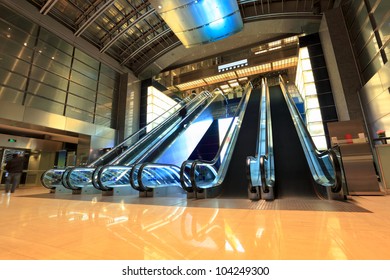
344	76
375	97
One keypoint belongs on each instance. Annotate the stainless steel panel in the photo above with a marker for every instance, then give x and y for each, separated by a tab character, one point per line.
11	111
384	75
357	149
383	152
200	22
35	116
29	143
79	126
361	177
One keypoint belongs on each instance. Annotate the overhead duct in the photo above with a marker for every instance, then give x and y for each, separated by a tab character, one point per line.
197	22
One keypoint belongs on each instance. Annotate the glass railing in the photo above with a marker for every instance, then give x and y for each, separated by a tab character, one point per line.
53	178
326	167
123	173
198	175
261	170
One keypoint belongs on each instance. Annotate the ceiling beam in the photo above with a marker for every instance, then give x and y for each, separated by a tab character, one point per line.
93	17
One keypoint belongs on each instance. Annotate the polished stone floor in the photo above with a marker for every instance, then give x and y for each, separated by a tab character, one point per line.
36	224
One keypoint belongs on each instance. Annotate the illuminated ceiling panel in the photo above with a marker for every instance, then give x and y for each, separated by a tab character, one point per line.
193	84
198	22
220	78
285	63
254	70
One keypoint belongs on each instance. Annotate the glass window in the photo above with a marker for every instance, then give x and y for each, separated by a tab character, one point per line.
82	91
43	76
44	104
55	41
76	113
46	91
102	121
86	59
351	11
380	12
320	142
313	115
13	64
85	69
104	100
387	51
107	91
17	20
316	128
312	102
308	76
16	49
372	68
373	2
108	81
365	35
80	103
105	70
384	30
44	49
13	80
310	89
361	20
51	65
103	111
81	79
306	65
368	53
21	37
11	95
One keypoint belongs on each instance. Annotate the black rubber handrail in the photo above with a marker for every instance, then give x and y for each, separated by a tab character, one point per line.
331	152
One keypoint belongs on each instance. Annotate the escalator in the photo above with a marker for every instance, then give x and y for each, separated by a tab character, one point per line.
293	177
76	178
153	164
235	184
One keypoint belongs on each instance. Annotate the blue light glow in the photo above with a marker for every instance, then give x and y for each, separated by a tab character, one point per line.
201	22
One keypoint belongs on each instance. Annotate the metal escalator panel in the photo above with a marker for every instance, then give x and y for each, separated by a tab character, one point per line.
80	177
172	146
260	167
326	166
292	173
52	178
77	177
154	174
322	169
208	174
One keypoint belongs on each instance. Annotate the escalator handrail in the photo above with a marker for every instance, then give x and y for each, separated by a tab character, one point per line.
96	178
139	175
268	142
66	178
202	96
331	152
243	102
184	102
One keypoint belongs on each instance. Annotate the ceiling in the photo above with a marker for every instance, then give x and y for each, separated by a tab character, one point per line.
133	33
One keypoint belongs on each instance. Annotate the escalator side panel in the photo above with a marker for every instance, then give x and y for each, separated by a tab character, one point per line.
293	176
236	183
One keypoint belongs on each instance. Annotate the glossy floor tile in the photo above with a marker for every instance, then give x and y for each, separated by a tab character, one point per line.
37	225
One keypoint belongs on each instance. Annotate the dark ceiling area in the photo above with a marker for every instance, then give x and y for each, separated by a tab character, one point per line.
136	36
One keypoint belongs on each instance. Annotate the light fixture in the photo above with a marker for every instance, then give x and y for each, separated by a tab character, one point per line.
202	21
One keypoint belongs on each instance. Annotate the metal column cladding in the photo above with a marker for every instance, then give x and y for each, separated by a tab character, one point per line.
197	22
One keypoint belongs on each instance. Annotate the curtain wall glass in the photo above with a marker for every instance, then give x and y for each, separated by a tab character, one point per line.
38	69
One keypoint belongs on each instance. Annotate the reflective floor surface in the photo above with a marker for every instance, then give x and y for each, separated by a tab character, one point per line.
37	225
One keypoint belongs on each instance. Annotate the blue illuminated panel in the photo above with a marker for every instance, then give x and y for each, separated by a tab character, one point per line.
197	22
